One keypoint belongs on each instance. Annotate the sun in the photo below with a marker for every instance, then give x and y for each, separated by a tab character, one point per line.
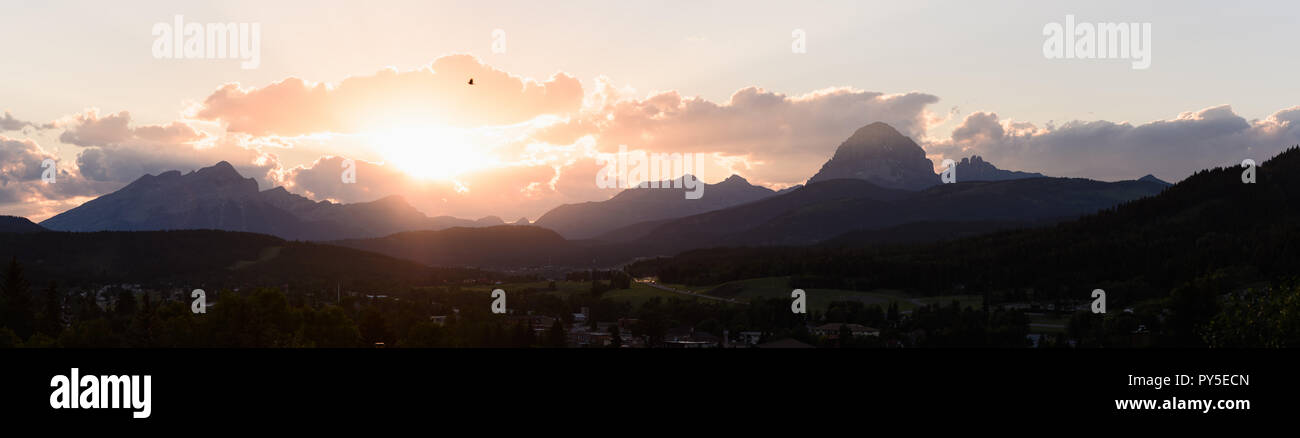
430	152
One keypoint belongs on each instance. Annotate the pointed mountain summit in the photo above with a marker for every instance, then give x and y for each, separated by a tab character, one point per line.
734	180
223	170
976	169
1152	178
878	153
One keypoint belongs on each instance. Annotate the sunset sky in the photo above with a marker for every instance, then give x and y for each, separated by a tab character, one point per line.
384	83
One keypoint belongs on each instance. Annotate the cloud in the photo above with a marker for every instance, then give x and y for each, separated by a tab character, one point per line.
509	192
979	126
9	123
777	139
116	151
20	160
1171	149
89	129
22	191
438	94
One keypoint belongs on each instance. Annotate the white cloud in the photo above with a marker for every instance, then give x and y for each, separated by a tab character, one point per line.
1171	149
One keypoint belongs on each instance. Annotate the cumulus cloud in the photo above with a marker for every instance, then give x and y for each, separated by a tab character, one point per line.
22	191
9	123
778	139
980	126
114	150
1171	149
20	160
90	129
437	94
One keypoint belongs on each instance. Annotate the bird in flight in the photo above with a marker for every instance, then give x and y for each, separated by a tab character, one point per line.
471	81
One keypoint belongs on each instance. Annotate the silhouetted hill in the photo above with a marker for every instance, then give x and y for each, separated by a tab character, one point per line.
923	232
15	224
501	247
720	227
207	258
634	205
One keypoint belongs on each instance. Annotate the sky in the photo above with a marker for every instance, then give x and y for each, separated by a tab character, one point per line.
559	84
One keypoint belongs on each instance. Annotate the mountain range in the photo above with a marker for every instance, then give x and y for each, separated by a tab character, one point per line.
636	205
834	211
824	210
1188	247
877	180
974	168
219	198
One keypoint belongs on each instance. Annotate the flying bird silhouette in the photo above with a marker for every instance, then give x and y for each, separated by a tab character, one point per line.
471	81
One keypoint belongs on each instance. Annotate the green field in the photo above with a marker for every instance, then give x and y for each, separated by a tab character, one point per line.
744	291
820	299
640	293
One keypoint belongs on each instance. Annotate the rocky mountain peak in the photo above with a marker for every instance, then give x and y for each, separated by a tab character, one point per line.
880	154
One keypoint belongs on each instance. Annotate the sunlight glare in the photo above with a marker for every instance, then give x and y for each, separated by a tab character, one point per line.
430	152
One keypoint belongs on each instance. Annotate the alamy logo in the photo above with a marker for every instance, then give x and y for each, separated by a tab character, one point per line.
49	172
949	174
650	169
1099	41
181	40
1248	175
498	41
498	301
1098	301
349	175
200	303
101	392
800	43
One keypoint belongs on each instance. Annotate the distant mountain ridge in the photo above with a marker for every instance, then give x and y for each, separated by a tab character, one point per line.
219	198
847	199
837	212
635	205
1194	243
974	168
824	210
